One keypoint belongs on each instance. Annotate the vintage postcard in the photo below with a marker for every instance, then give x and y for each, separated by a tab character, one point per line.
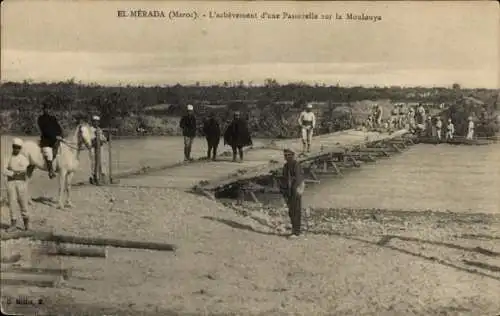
250	158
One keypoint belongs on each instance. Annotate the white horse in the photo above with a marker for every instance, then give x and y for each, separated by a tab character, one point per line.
66	161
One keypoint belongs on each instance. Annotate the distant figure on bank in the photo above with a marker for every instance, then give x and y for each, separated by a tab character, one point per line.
470	129
211	129
188	126
292	188
49	130
429	127
450	130
378	115
95	131
421	114
307	122
17	188
237	136
402	116
439	126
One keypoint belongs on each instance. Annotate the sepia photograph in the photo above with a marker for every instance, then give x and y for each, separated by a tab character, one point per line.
250	158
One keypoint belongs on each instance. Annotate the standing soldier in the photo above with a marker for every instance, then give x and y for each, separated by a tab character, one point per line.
188	126
378	115
439	126
470	129
211	129
95	131
237	135
402	116
17	188
450	130
49	130
292	189
307	122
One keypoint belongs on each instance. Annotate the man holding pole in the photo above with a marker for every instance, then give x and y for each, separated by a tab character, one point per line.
17	186
292	188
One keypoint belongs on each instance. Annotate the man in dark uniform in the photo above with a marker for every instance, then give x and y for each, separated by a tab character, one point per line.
292	188
188	126
49	130
237	135
211	129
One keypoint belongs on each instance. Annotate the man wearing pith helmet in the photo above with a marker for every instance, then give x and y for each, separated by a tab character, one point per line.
16	173
188	126
292	188
307	122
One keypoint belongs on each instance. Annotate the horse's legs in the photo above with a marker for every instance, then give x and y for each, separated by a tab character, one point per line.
62	186
29	174
69	179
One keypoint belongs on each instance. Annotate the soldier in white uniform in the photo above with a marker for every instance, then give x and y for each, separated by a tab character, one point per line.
307	122
450	130
17	188
470	129
439	126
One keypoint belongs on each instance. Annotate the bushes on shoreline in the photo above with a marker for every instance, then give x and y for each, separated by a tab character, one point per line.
272	110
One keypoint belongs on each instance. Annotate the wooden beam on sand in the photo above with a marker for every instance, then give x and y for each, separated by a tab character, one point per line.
65	273
119	243
92	252
90	241
30	279
12	258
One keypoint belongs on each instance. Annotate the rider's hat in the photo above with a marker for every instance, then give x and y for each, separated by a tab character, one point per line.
96	118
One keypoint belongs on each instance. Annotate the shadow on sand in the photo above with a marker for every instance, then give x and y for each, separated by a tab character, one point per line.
44	200
384	244
237	225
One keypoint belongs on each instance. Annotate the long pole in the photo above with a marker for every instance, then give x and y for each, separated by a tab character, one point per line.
110	164
97	157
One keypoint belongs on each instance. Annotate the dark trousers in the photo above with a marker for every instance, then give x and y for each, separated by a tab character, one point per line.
212	144
294	203
239	149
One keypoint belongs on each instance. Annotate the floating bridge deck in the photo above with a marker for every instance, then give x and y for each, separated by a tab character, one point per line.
329	154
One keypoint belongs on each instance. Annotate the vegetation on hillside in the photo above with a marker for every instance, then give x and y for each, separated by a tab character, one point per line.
272	109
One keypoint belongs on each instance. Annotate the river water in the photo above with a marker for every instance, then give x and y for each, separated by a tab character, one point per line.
437	177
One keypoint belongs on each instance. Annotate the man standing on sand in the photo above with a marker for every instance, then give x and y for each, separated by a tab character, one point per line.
450	130
292	188
17	187
237	135
307	122
49	130
211	129
439	126
188	126
470	129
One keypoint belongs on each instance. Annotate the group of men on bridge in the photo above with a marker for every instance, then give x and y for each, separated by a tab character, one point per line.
416	119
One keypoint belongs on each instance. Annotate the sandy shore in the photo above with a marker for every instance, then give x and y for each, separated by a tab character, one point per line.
229	263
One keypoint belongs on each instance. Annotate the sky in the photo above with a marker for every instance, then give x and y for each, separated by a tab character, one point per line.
414	43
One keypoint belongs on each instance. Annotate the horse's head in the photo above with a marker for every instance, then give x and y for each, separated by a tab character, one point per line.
86	135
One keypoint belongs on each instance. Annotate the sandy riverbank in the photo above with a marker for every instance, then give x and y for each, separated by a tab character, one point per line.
229	263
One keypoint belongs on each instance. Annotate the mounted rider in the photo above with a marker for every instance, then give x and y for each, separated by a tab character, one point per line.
50	129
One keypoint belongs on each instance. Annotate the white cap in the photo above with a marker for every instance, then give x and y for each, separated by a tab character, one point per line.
309	106
17	142
189	107
96	118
